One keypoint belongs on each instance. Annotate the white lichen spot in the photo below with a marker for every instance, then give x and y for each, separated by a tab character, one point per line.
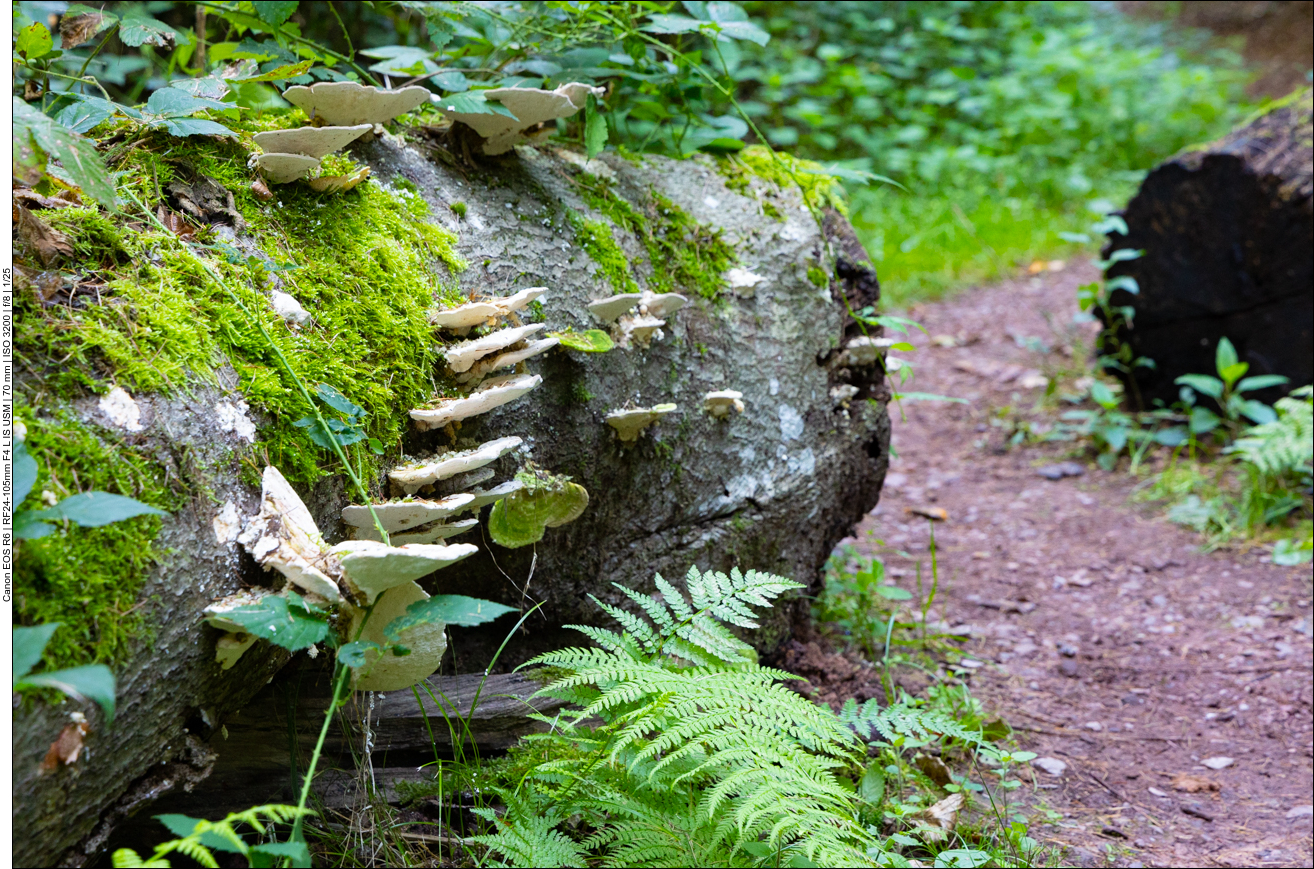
711	202
773	386
233	418
742	281
121	409
227	524
791	424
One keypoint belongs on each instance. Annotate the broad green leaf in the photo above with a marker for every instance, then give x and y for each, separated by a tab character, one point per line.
722	145
1257	412
1203	384
1203	420
92	682
673	24
1171	437
591	341
275	12
85	113
270	853
893	592
336	400
473	103
1103	396
183	127
30	645
137	29
28	525
1225	356
1261	381
449	609
183	826
25	472
903	347
1232	373
1288	553
210	87
595	129
291	627
927	396
34	41
279	73
77	155
354	654
94	509
872	786
1115	436
173	102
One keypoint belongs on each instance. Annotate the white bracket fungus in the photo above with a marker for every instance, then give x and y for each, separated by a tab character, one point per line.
461	356
608	309
215	613
346	103
232	646
285	168
638	330
512	357
480	401
412	477
288	308
864	350
386	671
662	305
436	532
629	424
477	313
742	281
314	142
400	515
373	567
531	106
843	394
283	536
484	497
719	404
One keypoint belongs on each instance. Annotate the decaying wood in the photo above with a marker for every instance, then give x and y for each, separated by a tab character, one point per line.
1229	252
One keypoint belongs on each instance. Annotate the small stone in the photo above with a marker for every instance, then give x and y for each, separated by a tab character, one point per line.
1093	725
1157	792
1068	650
1196	811
1069	668
1299	812
1051	765
1061	470
1217	762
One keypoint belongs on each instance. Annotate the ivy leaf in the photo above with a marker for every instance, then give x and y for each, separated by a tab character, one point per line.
138	29
34	41
291	627
182	127
354	654
591	341
94	509
449	609
92	682
275	12
473	103
30	645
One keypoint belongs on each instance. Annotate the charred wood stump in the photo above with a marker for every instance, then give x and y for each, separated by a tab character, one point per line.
1228	246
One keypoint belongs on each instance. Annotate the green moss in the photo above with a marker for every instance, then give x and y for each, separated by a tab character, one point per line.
363	265
817	276
88	578
683	254
458	208
783	171
580	394
595	237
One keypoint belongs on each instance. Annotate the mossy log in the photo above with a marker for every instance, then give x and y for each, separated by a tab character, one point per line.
1229	252
773	488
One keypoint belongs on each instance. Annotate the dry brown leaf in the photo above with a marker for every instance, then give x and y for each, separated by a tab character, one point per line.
74	30
1193	784
934	769
173	221
261	191
31	198
49	244
66	747
936	822
935	514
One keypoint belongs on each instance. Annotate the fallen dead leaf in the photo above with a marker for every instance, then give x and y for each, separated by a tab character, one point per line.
935	514
31	198
49	244
338	183
936	822
74	30
66	747
261	191
1193	784
173	221
934	769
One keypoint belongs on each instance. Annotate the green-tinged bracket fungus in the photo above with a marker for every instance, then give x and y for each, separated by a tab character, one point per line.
720	404
529	108
425	643
629	424
543	501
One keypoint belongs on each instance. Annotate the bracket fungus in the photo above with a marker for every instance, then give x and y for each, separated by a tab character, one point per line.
316	142
373	567
230	647
543	501
608	309
436	532
639	330
742	281
629	424
663	305
283	536
864	350
483	497
509	358
234	641
414	476
719	404
409	513
461	356
346	103
480	401
530	107
385	671
474	314
285	168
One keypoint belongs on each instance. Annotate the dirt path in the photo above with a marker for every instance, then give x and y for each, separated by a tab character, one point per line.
1103	635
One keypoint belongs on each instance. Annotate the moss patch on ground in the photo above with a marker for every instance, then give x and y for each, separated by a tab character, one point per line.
88	578
683	254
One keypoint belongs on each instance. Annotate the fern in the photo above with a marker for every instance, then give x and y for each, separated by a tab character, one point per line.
198	837
1286	445
701	756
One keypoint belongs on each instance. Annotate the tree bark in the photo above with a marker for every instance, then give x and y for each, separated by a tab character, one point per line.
773	489
1229	252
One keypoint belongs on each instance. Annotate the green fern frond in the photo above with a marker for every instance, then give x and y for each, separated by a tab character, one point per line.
870	720
1286	445
527	836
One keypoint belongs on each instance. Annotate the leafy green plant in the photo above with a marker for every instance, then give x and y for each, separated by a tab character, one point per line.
198	839
1228	392
703	757
1112	430
544	501
90	682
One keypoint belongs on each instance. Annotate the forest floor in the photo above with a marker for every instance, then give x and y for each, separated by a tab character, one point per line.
1095	627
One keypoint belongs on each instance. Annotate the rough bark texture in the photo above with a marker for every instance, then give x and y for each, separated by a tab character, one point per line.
774	488
1229	251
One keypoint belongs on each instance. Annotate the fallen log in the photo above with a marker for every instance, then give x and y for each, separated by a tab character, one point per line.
1229	252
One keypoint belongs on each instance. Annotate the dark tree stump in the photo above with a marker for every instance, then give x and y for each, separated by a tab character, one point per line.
1229	249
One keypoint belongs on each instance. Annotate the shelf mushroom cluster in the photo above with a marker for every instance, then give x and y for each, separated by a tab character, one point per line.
637	318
